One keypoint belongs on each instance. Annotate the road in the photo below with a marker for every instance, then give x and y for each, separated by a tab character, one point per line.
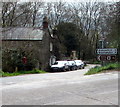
63	88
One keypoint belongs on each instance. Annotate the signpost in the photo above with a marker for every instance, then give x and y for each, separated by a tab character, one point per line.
107	54
107	51
106	57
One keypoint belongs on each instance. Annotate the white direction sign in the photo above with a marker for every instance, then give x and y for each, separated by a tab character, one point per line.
107	51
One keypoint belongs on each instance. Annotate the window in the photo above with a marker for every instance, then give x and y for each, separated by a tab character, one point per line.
51	47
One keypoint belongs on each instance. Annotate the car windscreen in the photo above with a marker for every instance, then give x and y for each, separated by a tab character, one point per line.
55	63
71	62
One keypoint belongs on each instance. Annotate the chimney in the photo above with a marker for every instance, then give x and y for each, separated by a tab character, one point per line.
45	22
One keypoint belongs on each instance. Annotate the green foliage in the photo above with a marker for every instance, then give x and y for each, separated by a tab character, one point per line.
98	69
95	62
1	72
5	74
13	58
113	36
69	36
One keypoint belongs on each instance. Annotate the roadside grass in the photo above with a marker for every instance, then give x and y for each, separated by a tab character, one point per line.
95	62
98	69
6	74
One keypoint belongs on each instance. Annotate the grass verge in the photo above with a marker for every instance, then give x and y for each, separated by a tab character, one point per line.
97	69
6	74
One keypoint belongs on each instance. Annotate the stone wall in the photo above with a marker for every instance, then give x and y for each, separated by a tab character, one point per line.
40	50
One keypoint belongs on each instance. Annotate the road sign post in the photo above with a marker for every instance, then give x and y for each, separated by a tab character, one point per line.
106	58
106	54
107	51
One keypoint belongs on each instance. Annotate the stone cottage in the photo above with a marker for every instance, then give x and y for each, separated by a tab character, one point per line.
38	42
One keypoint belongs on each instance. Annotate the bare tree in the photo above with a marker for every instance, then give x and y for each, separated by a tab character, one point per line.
23	14
58	12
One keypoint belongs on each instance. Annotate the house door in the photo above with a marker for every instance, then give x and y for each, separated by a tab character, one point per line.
52	60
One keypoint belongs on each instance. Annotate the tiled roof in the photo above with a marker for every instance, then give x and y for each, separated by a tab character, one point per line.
22	34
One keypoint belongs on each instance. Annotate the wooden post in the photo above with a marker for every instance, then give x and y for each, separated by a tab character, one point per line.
16	69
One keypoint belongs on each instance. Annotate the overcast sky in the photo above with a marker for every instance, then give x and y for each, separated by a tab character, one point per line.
60	0
84	0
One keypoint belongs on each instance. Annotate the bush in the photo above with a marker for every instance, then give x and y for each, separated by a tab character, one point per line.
13	58
100	69
5	74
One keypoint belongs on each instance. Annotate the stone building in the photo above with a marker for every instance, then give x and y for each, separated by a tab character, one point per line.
38	42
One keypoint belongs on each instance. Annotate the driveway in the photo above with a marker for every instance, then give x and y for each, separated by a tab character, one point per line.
63	88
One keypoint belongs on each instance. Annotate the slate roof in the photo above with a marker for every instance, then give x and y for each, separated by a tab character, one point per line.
22	34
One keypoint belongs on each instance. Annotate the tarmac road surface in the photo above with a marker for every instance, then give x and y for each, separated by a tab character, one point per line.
63	88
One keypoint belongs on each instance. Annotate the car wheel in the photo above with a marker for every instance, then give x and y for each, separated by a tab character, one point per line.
64	69
73	68
76	68
68	68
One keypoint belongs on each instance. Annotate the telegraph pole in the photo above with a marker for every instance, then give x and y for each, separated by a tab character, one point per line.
105	54
102	46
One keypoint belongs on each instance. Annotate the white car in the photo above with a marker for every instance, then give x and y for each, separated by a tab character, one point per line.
60	66
80	64
72	65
